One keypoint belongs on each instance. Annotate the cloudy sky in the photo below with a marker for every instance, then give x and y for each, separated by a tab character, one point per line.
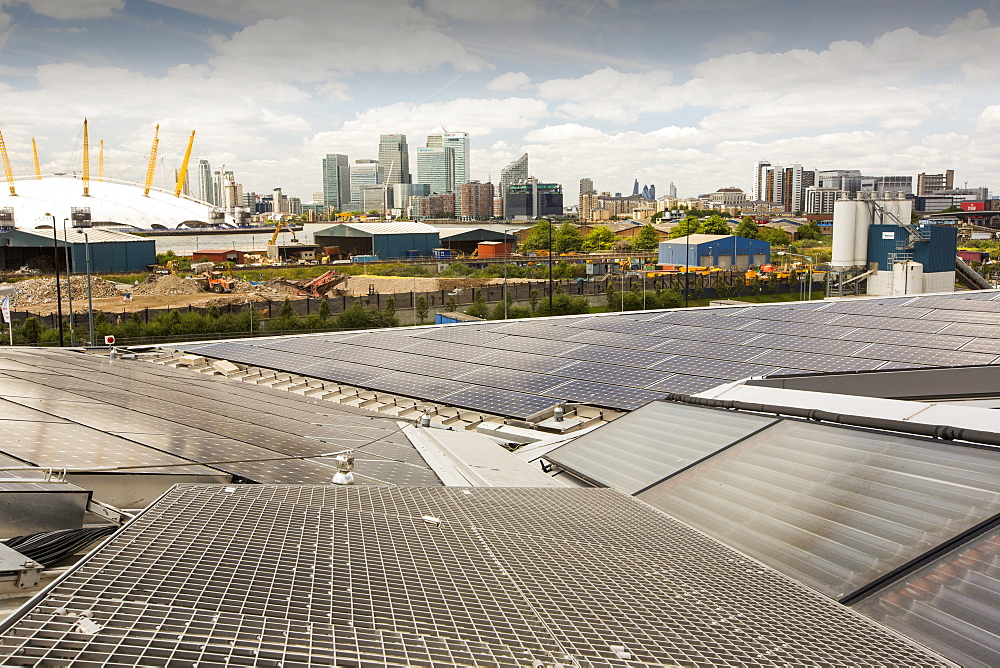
689	91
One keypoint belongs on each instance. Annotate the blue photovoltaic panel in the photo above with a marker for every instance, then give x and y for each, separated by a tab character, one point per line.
896	324
991	346
799	329
512	379
601	394
444	349
814	362
685	384
621	325
503	402
723	369
435	367
417	386
609	355
611	374
471	334
918	340
795	315
523	361
719	351
703	319
527	344
970	329
734	337
809	344
616	339
928	357
877	308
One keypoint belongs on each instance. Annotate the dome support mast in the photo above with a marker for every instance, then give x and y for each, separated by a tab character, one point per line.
152	162
6	166
182	175
86	160
34	152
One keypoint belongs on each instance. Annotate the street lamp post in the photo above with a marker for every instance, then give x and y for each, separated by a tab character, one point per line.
55	264
90	300
506	261
550	264
69	286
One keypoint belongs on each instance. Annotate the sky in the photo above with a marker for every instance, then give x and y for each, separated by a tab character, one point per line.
684	91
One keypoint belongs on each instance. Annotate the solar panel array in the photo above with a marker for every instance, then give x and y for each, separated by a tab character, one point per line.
624	360
261	575
839	509
63	409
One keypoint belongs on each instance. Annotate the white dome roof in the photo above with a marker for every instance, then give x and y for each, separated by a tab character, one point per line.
119	202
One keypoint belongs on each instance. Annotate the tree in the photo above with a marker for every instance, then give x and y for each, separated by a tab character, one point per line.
478	308
324	309
451	304
567	239
623	245
685	227
390	307
773	236
647	238
533	300
31	331
599	239
810	231
538	237
715	224
747	228
421	309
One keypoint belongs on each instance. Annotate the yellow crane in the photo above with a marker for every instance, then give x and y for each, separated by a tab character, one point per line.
152	161
34	152
6	166
184	167
277	229
86	160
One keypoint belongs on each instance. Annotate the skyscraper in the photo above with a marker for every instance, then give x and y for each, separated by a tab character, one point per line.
336	182
393	159
435	167
477	201
206	192
672	192
363	173
586	186
635	188
759	179
515	172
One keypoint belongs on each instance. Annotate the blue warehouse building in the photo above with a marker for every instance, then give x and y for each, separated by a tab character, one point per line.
385	240
715	250
111	251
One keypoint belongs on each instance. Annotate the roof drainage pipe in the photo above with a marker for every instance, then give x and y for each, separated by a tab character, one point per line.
943	432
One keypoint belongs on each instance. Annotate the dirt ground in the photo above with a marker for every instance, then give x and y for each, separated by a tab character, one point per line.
141	302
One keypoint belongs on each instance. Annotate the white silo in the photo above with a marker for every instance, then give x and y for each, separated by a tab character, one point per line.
907	278
862	221
844	213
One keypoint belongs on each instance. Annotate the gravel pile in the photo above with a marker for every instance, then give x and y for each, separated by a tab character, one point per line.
43	290
167	284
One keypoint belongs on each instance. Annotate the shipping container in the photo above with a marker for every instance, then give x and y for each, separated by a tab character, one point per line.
442	253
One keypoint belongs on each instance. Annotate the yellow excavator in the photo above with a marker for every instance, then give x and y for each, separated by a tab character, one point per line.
277	230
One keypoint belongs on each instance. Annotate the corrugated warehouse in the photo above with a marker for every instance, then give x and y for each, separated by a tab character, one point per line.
715	250
467	239
386	240
110	251
936	254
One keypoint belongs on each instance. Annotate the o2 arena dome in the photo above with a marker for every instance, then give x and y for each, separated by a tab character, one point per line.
112	203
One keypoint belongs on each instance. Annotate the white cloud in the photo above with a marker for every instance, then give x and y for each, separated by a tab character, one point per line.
509	81
508	10
72	9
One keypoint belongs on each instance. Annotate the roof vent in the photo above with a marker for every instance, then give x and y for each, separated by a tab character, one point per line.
345	466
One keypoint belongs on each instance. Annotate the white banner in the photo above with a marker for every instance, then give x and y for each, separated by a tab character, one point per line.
5	307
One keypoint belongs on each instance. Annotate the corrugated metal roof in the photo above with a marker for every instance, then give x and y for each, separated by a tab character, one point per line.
94	234
399	227
698	239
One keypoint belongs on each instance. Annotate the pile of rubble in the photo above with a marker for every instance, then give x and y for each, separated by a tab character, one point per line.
167	284
43	290
258	289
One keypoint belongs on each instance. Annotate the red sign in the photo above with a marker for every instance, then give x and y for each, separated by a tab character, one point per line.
109	340
973	206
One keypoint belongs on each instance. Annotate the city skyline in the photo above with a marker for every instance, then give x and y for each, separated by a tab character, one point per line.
681	92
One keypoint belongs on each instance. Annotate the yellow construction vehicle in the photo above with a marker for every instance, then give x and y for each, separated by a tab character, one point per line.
277	230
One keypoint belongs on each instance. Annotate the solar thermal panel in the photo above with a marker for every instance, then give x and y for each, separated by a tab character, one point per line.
834	508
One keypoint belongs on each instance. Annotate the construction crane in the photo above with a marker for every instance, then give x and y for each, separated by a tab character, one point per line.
152	161
182	176
100	163
277	229
86	160
6	166
34	152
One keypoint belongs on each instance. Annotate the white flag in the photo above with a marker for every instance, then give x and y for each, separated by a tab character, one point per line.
5	307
